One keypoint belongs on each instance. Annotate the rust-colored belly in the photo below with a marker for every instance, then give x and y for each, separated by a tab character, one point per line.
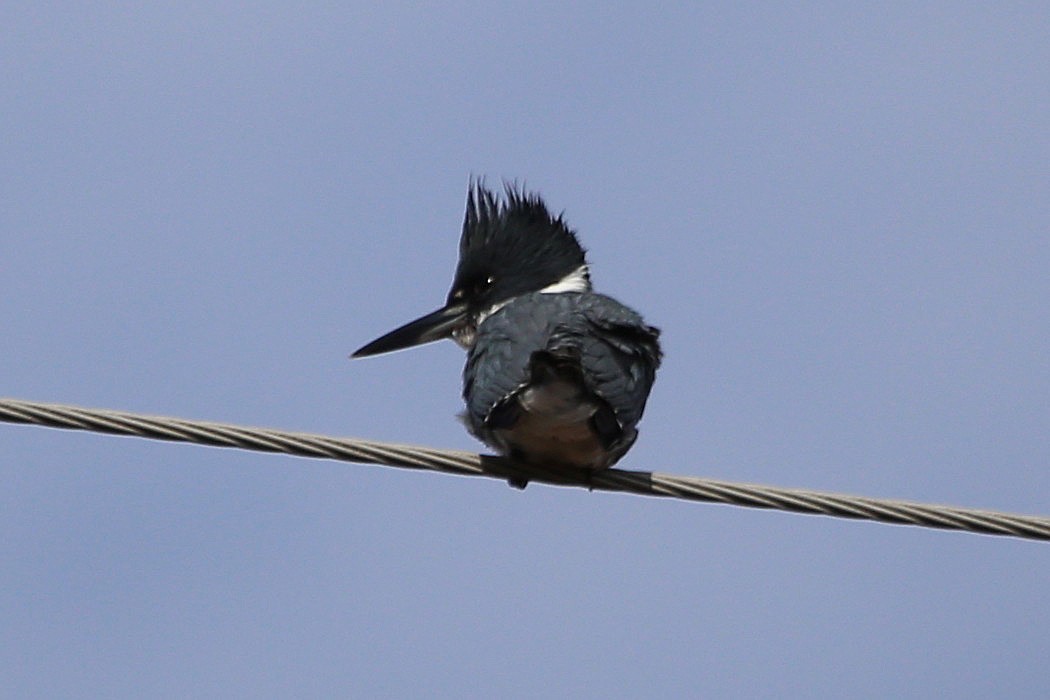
554	427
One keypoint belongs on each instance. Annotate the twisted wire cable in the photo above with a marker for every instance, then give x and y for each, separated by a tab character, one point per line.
470	464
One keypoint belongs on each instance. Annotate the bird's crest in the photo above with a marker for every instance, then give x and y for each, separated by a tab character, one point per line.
512	235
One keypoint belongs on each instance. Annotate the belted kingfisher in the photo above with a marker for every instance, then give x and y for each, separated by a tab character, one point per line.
556	375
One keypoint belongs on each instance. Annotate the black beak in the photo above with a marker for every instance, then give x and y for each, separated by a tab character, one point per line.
434	326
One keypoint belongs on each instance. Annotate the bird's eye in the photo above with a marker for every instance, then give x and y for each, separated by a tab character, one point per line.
489	281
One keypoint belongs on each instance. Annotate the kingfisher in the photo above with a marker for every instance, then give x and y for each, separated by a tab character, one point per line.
557	375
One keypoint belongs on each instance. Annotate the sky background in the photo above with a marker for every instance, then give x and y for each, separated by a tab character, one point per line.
838	214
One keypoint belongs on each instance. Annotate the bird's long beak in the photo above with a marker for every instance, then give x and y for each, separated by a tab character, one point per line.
434	326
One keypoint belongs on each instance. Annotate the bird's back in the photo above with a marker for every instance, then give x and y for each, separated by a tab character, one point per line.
560	379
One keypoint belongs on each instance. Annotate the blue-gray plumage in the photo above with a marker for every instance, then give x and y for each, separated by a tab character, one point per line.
556	375
560	378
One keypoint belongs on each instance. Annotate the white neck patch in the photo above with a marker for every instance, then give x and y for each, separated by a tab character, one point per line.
491	310
579	280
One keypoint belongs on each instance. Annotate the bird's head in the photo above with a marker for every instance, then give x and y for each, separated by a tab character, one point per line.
510	246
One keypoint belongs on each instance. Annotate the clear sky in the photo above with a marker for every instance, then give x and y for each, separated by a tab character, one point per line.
838	214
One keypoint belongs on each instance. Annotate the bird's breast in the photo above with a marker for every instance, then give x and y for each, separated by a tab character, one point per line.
554	427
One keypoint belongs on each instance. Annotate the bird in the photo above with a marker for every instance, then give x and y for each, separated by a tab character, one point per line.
557	375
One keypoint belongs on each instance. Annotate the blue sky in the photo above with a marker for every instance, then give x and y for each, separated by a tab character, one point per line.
837	213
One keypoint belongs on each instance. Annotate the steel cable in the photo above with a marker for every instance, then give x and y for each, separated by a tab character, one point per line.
470	464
